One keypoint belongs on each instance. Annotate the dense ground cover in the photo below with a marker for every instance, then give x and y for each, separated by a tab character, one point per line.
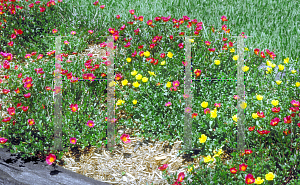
151	73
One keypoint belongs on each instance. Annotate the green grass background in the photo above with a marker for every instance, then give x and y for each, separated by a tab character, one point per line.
274	25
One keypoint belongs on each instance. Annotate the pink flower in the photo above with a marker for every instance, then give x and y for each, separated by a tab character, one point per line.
54	30
295	103
102	6
31	121
188	109
27	95
217	105
74	107
168	104
66	42
125	138
90	123
206	111
90	31
131	12
96	3
50	158
73	32
73	140
2	140
176	83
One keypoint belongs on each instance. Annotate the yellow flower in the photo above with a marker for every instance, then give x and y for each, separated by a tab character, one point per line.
232	50
124	82
246	49
235	118
204	104
281	67
170	55
235	57
134	102
286	60
163	63
254	115
136	84
191	168
269	63
269	70
293	71
191	40
278	82
145	79
147	54
128	59
273	65
270	176
207	159
243	105
297	84
151	73
169	84
219	153
217	62
259	180
120	102
203	138
259	97
213	114
274	102
133	73
139	77
245	68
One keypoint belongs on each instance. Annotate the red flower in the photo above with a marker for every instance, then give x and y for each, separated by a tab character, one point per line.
248	151
11	111
274	121
250	179
298	125
180	177
233	170
163	167
6	119
276	109
25	108
251	128
194	115
286	132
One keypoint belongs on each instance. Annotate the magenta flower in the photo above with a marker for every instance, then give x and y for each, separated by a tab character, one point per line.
50	158
168	104
73	32
176	83
73	140
90	123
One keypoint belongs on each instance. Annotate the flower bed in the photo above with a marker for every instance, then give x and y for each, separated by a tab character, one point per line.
149	89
